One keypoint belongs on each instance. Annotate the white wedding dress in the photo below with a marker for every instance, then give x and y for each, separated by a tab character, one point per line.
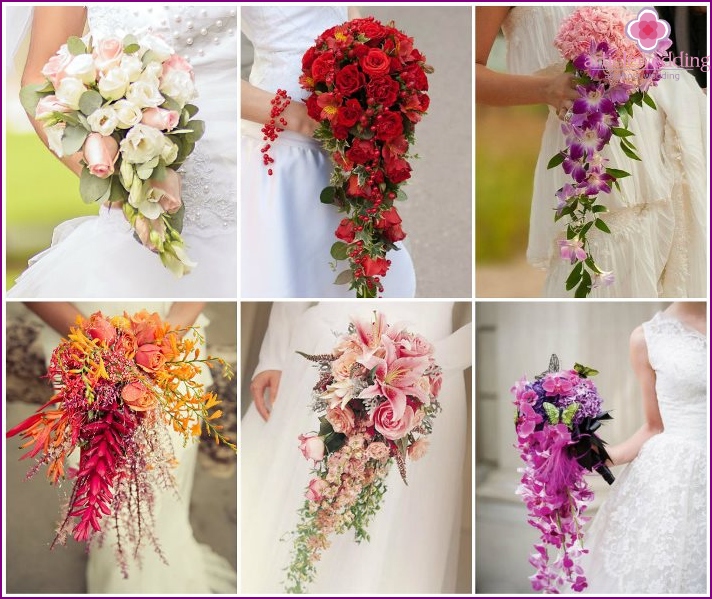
286	231
97	256
659	218
415	535
192	568
650	535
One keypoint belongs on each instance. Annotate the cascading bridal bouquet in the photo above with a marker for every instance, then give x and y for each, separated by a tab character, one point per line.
121	384
376	398
557	417
367	85
613	75
124	106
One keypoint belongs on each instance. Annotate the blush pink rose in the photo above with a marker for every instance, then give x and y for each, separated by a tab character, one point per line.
54	70
160	118
418	449
48	105
342	420
390	427
312	447
138	397
170	189
100	153
100	328
150	357
317	487
415	346
108	53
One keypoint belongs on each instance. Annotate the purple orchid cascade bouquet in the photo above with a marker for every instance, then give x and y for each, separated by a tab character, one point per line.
557	417
613	74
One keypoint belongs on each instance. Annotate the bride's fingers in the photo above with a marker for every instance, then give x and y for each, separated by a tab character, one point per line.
257	389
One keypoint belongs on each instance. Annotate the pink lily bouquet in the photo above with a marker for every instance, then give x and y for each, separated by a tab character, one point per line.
376	398
123	106
613	74
557	417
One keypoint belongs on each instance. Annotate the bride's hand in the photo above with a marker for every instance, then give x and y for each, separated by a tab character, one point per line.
264	382
255	106
560	92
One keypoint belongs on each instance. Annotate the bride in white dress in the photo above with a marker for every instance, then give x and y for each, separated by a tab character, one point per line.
97	256
650	536
286	232
415	535
192	568
658	219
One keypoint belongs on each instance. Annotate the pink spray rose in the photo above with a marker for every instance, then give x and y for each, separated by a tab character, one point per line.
100	153
170	191
390	427
312	447
160	118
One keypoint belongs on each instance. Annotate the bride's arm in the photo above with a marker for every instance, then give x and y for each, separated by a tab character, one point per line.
504	89
61	316
627	450
184	314
255	106
51	26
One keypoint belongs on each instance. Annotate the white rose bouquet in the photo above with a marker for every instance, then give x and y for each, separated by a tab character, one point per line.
124	105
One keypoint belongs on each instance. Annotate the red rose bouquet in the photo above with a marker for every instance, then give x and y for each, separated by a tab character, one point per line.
367	83
377	399
121	383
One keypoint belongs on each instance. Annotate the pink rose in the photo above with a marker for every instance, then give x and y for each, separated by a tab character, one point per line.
316	489
418	449
390	427
108	53
415	346
160	118
48	105
54	70
150	357
100	153
138	397
436	381
312	447
170	189
176	62
100	328
378	451
341	419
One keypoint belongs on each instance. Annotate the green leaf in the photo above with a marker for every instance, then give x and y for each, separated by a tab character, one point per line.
327	195
129	40
197	130
556	160
30	95
568	414
628	152
585	287
335	442
599	208
148	57
73	139
175	220
325	427
159	172
649	101
344	278
622	132
191	109
90	101
117	192
602	226
401	196
340	250
93	189
570	68
552	412
585	229
575	276
131	48
170	104
617	173
76	46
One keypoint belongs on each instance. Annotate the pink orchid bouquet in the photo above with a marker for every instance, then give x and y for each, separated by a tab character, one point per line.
613	75
558	415
123	106
121	384
376	398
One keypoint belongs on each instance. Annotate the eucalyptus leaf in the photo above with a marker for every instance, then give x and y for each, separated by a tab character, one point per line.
176	219
117	193
340	250
197	130
90	101
344	278
93	189
76	46
30	95
191	109
73	139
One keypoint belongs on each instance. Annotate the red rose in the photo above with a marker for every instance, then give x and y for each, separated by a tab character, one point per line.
340	132
323	65
355	190
374	267
383	90
376	63
345	231
394	148
398	170
308	58
349	114
389	218
415	106
349	80
342	161
358	51
388	125
414	77
394	233
361	151
370	28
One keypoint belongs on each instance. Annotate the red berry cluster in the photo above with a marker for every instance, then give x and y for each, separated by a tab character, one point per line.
271	130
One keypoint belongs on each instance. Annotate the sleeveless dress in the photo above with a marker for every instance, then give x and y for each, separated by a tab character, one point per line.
415	536
192	567
97	256
658	220
650	535
286	231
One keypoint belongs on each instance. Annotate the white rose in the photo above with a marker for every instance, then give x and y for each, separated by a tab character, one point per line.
127	114
178	85
113	85
158	45
151	73
141	144
103	120
69	92
54	138
131	65
82	67
144	95
170	151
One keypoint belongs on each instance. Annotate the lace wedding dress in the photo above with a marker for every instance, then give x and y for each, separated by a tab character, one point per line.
415	536
97	256
192	568
658	219
650	535
286	231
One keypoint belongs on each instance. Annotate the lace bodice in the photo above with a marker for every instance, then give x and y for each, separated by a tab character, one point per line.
678	354
206	37
280	36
